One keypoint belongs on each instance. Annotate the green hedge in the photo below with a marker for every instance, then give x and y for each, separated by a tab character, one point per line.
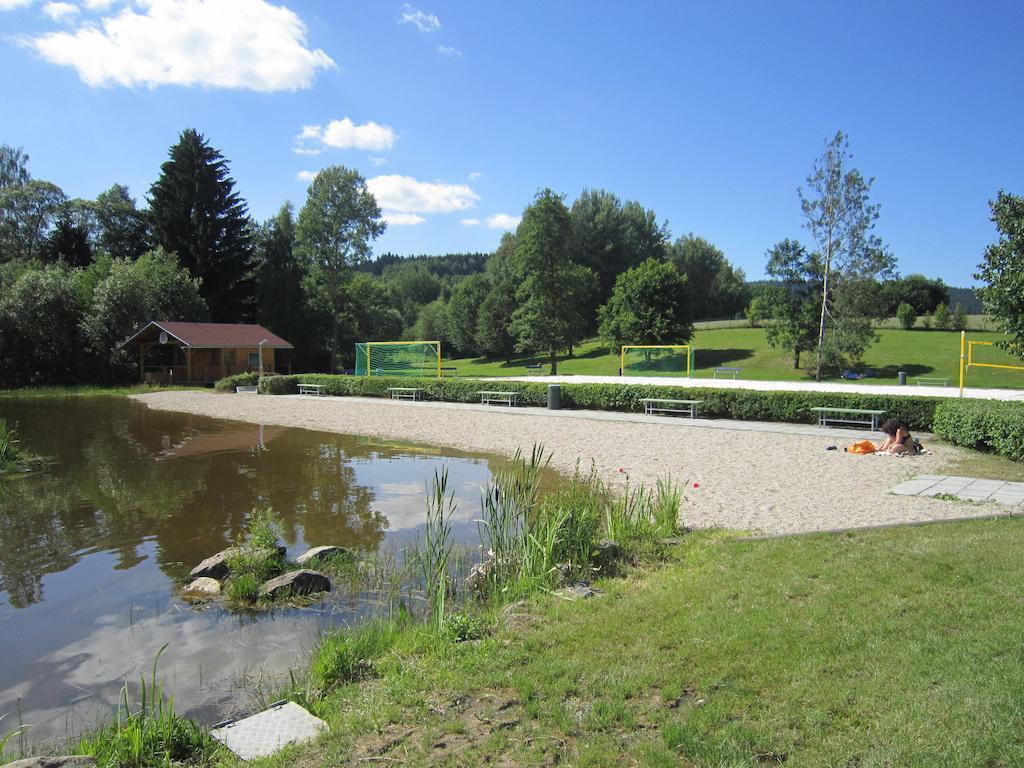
228	383
743	404
983	425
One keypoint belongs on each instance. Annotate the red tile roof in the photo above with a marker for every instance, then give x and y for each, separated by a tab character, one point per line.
210	335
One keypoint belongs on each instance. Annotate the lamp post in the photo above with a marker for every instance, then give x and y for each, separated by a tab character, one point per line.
260	345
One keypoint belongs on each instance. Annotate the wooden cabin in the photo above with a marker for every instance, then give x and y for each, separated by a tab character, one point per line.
201	353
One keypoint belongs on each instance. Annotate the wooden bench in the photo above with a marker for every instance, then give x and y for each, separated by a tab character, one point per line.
405	393
489	396
663	405
250	389
861	417
534	368
311	389
921	379
728	369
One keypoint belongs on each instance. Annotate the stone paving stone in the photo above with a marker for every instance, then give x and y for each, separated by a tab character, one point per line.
1012	499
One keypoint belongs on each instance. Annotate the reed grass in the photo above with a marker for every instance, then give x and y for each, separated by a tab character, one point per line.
437	547
151	735
11	454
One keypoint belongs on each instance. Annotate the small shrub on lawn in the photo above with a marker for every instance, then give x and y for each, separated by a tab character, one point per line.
460	627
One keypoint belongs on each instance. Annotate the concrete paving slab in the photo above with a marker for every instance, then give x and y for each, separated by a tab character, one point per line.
265	733
1009	499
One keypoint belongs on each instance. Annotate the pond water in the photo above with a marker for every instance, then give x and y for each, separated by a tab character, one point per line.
92	548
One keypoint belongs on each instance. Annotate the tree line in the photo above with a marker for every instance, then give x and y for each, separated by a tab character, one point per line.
78	276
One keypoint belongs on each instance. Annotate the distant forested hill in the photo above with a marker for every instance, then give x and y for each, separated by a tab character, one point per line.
446	265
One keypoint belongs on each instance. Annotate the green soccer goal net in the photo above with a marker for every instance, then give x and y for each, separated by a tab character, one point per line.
398	358
655	360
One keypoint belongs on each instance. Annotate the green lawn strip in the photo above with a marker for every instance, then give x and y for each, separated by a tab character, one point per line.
86	390
888	647
917	352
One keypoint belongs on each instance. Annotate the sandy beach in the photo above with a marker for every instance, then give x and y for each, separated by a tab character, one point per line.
762	482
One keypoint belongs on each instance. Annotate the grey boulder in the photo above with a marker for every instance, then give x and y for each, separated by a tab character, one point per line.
324	551
304	582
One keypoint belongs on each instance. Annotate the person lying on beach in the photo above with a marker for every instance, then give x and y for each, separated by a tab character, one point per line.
898	439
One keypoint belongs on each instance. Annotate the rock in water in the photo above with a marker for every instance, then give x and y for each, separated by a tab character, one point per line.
304	582
325	551
216	566
203	586
64	761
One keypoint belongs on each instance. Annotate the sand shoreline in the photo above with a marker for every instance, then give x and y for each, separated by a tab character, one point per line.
765	483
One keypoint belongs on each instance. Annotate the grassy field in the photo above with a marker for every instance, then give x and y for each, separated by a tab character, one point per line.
918	352
880	648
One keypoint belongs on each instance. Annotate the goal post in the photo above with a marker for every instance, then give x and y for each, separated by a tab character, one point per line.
969	358
398	358
655	360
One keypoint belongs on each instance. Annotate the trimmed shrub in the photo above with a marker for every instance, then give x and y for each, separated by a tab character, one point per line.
983	425
228	383
741	404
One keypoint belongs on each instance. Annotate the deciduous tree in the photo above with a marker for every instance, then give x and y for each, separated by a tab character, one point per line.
549	282
790	307
718	289
333	234
1002	270
123	228
840	218
650	304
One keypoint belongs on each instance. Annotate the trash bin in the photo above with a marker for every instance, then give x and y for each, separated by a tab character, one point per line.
554	397
902	376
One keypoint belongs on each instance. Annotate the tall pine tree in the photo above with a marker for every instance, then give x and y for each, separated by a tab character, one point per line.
197	214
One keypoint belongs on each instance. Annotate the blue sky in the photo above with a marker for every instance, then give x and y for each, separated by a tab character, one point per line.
709	113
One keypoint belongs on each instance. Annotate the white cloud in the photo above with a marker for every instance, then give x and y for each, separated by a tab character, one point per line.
377	160
405	194
344	134
503	221
60	11
425	22
98	5
475	175
402	219
447	50
243	44
10	5
470	222
306	176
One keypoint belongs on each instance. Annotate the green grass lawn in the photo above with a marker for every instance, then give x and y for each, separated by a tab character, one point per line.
918	352
894	647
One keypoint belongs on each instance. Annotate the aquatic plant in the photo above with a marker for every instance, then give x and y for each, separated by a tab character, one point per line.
437	546
10	452
151	735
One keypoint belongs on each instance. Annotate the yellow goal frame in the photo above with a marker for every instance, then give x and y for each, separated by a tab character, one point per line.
371	344
967	361
687	347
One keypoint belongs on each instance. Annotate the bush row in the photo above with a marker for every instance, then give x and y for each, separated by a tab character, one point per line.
983	425
744	404
228	383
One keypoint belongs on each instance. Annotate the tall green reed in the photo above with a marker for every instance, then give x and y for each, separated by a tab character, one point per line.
437	546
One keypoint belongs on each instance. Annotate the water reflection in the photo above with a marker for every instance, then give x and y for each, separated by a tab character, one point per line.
90	548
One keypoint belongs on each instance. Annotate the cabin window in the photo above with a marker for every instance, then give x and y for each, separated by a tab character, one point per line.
254	359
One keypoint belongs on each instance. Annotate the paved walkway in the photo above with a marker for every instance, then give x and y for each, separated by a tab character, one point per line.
966	488
785	386
840	436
